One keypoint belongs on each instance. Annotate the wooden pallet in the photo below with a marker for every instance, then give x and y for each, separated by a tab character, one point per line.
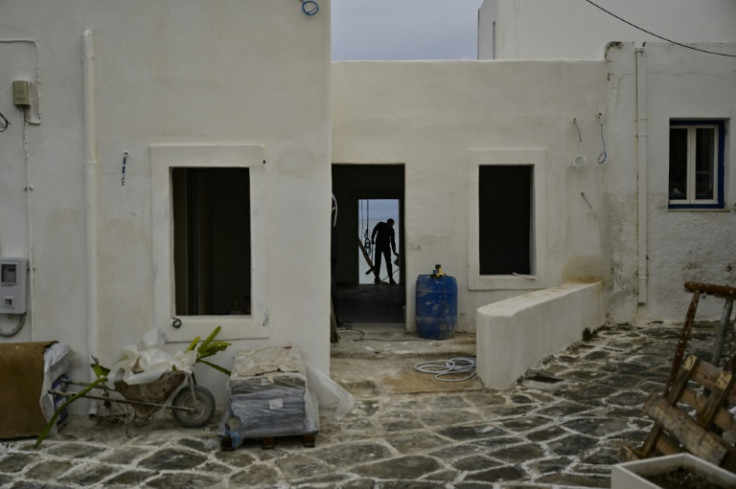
309	440
693	416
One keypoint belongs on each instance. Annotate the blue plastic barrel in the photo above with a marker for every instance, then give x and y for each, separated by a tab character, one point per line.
436	306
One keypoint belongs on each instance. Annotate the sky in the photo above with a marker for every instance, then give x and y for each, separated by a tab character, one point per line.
404	29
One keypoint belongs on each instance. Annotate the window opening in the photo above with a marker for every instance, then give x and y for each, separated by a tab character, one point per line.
370	213
212	241
696	164
505	194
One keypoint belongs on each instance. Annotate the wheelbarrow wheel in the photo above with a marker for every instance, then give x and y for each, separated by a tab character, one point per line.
202	403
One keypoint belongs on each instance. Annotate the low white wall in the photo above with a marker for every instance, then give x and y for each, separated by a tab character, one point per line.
514	334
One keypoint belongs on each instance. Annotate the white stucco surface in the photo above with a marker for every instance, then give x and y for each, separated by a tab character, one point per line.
682	244
249	83
441	120
217	73
574	29
515	334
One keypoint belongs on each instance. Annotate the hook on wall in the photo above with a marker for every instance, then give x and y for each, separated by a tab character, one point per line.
603	156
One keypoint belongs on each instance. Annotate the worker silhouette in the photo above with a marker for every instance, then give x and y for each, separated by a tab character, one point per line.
384	239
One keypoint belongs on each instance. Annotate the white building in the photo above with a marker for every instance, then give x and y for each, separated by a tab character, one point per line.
232	128
579	29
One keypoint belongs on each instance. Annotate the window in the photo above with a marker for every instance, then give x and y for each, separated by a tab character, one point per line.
507	224
212	241
505	219
209	239
696	164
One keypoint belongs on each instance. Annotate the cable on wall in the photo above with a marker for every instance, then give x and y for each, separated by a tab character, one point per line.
716	53
122	182
4	123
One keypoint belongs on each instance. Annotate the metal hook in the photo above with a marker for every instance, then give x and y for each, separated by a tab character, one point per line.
575	121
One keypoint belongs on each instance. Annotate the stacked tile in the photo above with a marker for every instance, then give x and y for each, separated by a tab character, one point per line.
269	396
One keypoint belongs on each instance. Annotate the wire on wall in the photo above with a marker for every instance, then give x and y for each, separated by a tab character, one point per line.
716	53
4	123
604	155
122	182
310	7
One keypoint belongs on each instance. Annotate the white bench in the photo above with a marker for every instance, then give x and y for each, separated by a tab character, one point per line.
513	335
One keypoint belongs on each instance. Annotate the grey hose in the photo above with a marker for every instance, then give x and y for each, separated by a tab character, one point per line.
16	329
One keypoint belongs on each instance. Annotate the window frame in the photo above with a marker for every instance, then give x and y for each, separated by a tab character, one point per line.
163	160
691	202
538	243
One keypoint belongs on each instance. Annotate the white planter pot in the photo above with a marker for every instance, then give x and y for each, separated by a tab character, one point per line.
631	475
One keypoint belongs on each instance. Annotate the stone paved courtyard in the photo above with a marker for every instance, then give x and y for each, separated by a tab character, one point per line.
518	438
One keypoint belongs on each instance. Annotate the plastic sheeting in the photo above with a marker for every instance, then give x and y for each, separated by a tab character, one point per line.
147	362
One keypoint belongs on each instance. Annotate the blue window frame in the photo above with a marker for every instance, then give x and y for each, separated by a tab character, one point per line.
696	166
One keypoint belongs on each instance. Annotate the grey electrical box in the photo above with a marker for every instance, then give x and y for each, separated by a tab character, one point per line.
22	93
13	274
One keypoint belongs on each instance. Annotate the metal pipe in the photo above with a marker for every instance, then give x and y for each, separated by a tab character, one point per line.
641	157
90	193
124	401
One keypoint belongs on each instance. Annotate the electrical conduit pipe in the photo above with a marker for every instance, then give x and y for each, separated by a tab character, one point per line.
90	193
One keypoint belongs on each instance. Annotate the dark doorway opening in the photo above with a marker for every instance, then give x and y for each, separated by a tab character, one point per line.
366	195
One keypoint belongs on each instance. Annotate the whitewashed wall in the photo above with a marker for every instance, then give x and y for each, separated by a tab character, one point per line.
681	245
574	29
441	118
215	73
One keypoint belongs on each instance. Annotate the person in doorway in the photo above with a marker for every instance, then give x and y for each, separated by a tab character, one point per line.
384	240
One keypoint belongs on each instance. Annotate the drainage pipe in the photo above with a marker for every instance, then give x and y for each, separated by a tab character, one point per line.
641	157
90	192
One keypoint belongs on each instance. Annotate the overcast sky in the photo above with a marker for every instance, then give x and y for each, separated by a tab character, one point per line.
404	29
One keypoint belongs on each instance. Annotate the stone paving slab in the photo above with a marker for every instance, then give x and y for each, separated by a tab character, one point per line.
518	438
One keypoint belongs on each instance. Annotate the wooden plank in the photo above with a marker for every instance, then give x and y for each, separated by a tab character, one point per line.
723	419
368	260
689	366
724	385
722	291
707	375
334	335
684	339
667	446
694	439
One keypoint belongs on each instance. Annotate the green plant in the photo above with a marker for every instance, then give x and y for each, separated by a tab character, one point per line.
208	348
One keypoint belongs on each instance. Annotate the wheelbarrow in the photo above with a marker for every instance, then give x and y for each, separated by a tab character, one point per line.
191	405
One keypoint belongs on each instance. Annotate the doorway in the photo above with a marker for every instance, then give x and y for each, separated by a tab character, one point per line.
367	195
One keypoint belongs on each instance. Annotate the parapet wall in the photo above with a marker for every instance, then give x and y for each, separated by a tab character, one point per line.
515	334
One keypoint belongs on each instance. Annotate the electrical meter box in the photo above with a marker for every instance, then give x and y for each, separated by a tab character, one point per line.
13	275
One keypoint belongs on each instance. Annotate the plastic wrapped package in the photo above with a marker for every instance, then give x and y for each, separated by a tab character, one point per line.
255	418
270	396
